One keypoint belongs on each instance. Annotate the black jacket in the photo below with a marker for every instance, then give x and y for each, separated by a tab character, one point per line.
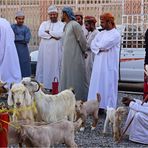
146	47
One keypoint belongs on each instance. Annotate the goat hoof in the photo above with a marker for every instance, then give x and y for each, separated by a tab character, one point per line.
104	134
93	128
82	129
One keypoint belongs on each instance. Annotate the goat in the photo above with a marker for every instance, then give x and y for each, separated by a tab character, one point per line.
13	134
50	134
91	107
115	117
52	108
3	90
20	98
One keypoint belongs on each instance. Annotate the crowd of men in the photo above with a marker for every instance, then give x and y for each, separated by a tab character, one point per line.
72	50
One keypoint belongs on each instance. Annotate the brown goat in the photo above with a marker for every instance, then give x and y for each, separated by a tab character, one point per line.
91	107
3	90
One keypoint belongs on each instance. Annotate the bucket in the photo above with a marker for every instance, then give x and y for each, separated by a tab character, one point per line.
3	129
55	85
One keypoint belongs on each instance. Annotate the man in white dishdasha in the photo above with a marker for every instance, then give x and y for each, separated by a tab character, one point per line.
50	49
104	78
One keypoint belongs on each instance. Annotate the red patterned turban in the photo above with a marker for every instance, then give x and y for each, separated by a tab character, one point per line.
90	19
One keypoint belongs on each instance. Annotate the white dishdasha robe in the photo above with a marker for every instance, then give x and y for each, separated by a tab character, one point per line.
9	63
73	72
104	77
138	129
50	53
90	55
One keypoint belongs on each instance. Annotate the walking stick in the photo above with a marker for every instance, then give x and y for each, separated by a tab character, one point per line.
121	137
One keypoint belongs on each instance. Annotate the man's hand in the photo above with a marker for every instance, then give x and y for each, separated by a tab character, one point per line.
146	69
47	31
146	98
55	38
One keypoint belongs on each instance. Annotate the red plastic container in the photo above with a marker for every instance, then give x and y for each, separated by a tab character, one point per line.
55	86
3	129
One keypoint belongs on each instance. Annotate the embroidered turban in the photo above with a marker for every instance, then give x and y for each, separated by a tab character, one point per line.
90	19
19	13
69	12
52	8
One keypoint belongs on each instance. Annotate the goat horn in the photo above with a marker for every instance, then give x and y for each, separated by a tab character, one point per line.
37	84
3	84
72	89
11	85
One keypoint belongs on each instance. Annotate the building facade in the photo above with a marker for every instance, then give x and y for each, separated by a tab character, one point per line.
94	7
125	11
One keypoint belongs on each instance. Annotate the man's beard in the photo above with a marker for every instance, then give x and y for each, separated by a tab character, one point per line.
62	20
54	20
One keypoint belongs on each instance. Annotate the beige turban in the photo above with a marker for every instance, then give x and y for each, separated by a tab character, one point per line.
52	8
19	13
78	13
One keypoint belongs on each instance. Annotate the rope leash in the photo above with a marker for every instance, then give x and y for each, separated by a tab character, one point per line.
33	106
16	127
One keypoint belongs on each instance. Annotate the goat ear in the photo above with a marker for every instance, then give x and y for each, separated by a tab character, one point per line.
28	97
98	97
81	102
73	90
10	98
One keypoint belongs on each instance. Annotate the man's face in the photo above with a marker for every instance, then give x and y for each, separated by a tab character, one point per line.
20	20
88	26
104	24
64	16
79	19
53	16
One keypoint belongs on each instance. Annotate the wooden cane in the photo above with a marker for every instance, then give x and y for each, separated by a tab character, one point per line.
121	137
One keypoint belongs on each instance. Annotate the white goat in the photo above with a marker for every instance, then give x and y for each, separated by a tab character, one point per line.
50	134
22	101
14	136
115	117
52	108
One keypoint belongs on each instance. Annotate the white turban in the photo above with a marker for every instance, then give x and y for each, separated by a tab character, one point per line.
52	8
19	13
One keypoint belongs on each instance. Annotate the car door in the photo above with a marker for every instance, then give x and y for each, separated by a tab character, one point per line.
132	64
